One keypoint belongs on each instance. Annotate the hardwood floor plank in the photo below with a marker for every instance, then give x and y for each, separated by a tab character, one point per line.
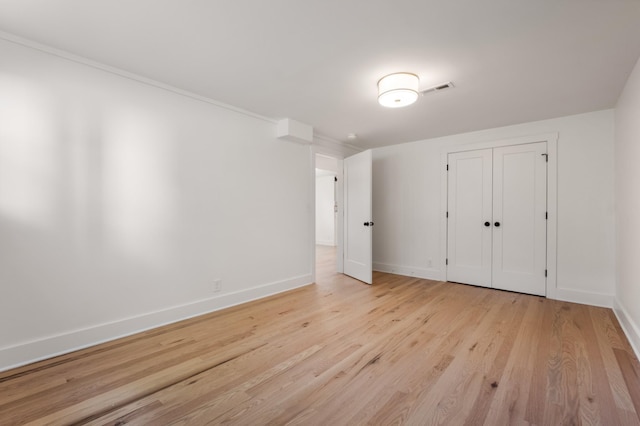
544	384
225	402
440	344
402	351
631	373
451	398
566	403
513	396
508	328
594	387
604	331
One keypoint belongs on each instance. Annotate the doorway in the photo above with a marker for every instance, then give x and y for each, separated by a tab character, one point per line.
327	219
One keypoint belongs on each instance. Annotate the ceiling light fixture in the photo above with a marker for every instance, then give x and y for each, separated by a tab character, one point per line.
398	90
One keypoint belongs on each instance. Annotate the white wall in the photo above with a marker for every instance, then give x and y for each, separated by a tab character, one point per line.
326	163
121	203
406	203
627	189
325	215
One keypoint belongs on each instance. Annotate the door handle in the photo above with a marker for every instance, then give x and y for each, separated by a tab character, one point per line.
497	224
487	224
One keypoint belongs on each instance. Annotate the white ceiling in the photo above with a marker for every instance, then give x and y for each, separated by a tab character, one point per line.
318	62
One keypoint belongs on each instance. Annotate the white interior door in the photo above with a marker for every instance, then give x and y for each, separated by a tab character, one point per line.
519	216
469	217
357	213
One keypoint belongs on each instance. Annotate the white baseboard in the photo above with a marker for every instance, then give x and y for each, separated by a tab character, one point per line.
409	271
584	297
37	350
630	328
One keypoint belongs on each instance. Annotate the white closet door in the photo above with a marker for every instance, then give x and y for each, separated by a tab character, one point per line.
519	218
469	210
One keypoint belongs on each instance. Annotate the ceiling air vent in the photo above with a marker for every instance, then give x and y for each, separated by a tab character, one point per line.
438	87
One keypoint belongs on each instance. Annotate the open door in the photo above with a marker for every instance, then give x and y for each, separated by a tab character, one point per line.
358	224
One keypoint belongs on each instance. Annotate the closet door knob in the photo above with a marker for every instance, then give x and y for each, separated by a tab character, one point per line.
497	224
487	224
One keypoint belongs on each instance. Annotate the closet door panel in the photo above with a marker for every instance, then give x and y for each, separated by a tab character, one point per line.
469	208
519	216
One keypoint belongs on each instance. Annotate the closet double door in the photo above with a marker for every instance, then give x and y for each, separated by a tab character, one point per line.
497	218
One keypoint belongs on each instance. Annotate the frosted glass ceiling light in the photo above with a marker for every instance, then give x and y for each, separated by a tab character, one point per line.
398	90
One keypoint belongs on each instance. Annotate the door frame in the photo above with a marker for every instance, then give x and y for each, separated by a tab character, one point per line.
552	197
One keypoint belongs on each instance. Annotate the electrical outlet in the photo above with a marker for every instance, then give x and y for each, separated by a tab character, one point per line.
217	286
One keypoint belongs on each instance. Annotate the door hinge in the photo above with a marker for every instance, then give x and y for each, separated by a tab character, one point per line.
446	261
447	167
545	272
546	215
447	215
546	157
335	178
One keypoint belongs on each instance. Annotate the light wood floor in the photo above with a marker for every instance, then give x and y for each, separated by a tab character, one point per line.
403	351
